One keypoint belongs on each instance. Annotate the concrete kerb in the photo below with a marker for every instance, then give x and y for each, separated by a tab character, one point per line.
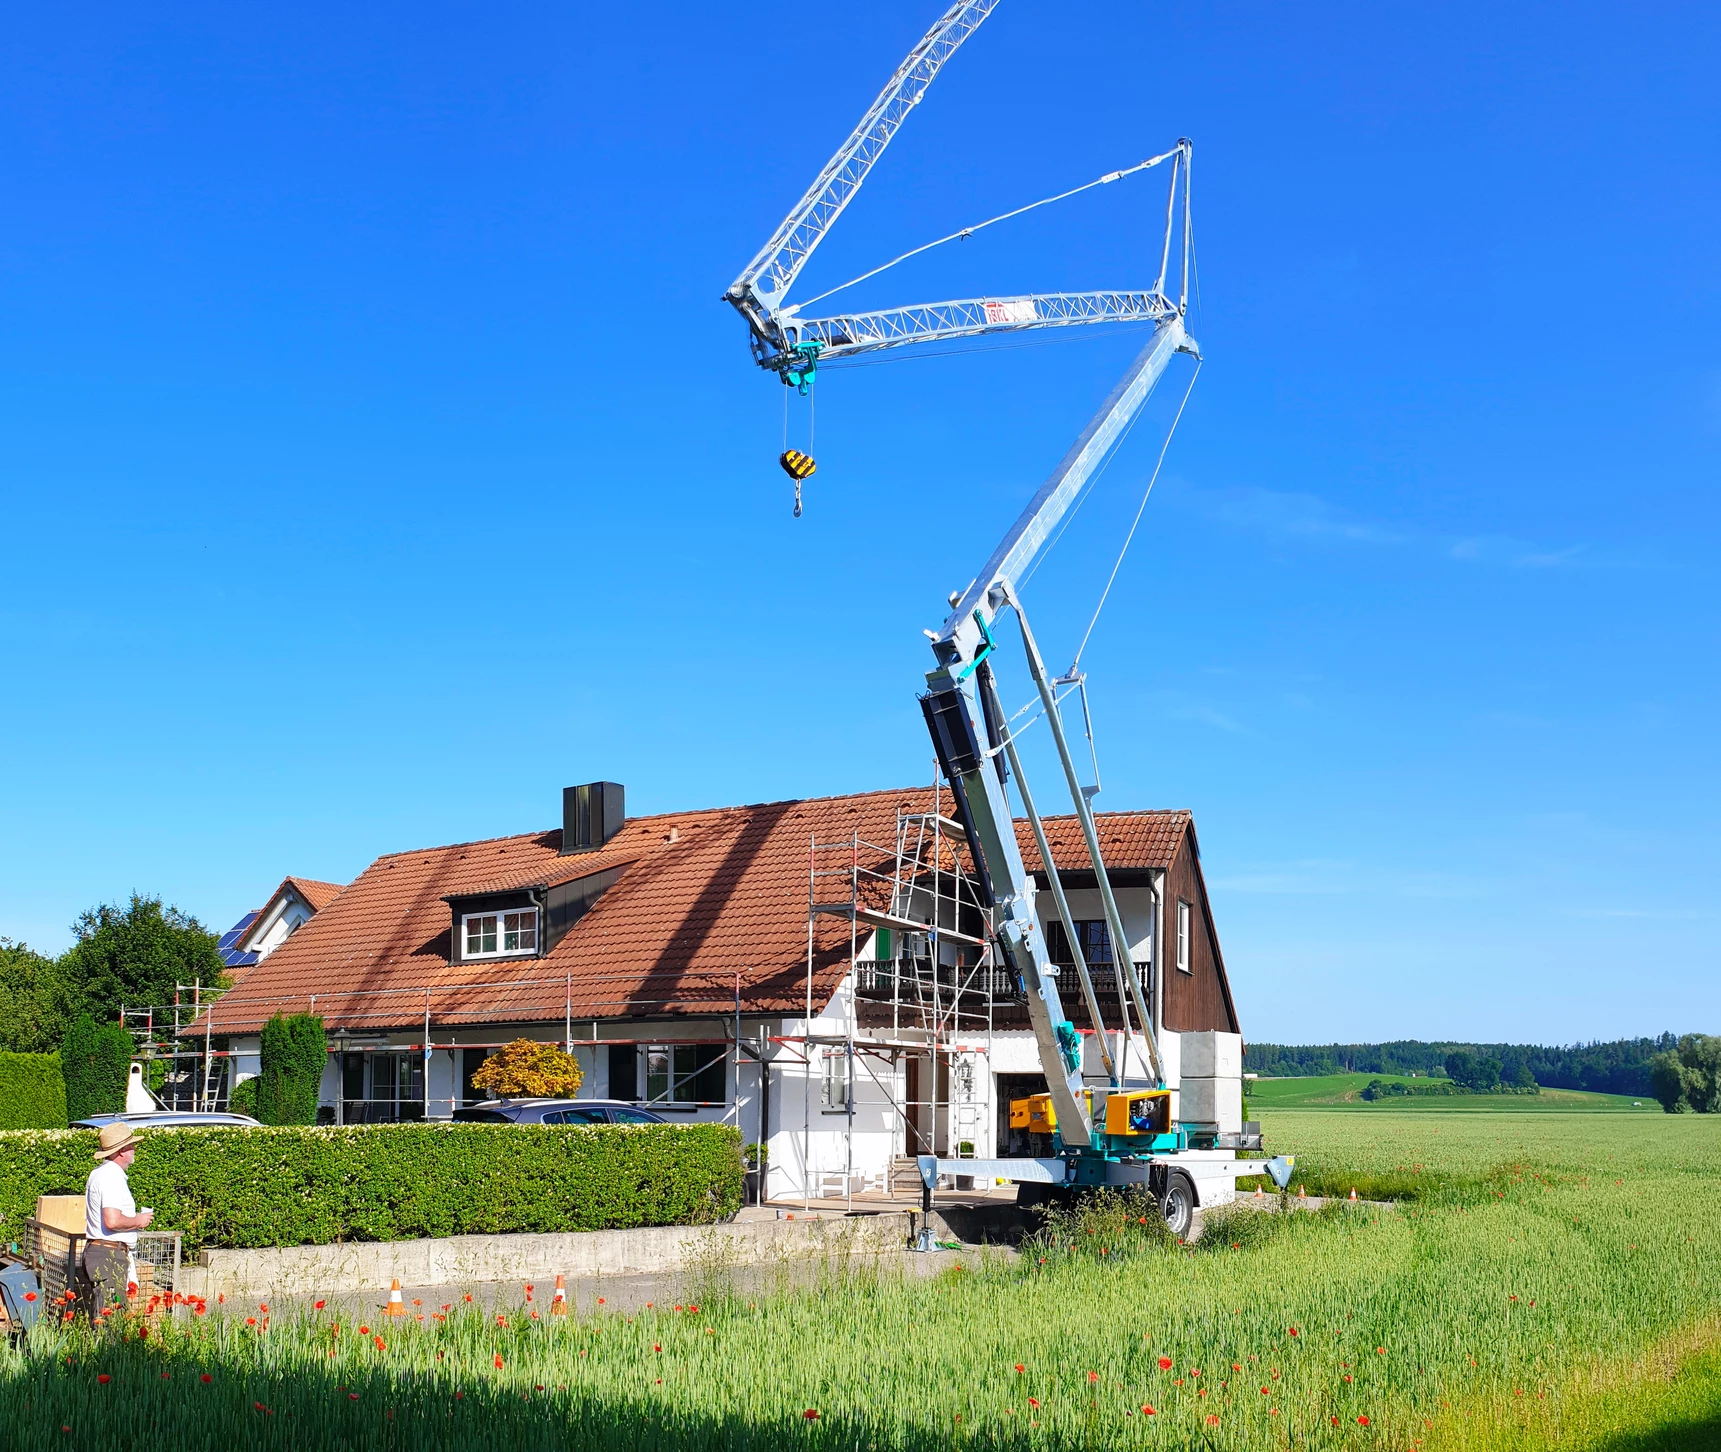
465	1260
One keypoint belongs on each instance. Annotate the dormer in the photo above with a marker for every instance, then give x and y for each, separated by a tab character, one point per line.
293	904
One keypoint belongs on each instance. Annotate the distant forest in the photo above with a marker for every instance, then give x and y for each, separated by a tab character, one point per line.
1620	1067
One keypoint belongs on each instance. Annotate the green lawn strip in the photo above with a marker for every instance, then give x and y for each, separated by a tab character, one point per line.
1344	1091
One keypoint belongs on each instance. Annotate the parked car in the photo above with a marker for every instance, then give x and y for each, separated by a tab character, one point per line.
556	1111
170	1119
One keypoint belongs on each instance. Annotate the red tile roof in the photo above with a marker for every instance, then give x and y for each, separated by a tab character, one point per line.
318	894
721	910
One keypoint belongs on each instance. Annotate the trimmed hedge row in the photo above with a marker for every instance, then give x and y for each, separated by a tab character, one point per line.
314	1186
32	1092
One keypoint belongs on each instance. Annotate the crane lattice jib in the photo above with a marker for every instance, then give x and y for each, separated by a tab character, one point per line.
763	286
849	334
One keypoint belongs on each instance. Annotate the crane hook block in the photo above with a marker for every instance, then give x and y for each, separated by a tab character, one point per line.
798	466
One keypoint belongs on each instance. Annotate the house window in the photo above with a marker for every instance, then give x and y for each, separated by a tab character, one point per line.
684	1074
1183	915
834	1079
490	935
1091	933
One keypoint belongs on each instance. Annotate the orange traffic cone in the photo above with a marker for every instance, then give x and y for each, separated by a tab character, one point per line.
1353	1192
1257	1192
395	1307
1302	1193
559	1301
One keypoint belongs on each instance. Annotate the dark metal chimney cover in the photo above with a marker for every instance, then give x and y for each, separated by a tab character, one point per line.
591	815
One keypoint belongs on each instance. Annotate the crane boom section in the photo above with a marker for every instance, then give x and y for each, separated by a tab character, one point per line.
961	635
848	334
762	289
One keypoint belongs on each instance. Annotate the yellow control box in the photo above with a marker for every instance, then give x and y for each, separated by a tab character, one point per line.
1036	1114
1139	1112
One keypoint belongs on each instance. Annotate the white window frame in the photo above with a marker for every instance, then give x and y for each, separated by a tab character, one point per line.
836	1084
501	916
1185	926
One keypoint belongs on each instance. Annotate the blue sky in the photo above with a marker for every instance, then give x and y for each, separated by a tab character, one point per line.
377	459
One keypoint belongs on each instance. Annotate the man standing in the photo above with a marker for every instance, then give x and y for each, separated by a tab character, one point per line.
111	1220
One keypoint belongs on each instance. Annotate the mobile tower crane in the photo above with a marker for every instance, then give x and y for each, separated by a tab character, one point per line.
1128	1136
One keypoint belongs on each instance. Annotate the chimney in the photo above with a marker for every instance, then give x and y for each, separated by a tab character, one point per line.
591	815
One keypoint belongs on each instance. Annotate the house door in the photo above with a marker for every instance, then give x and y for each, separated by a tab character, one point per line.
917	1111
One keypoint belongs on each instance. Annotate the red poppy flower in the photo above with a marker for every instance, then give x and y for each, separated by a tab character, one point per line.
498	1361
1020	1368
469	1295
318	1306
1335	1421
1347	1376
364	1330
1265	1392
1362	1421
29	1295
167	1376
1093	1376
656	1347
380	1344
1212	1420
354	1396
1380	1351
600	1300
1165	1363
103	1379
206	1378
263	1409
502	1321
1293	1330
1147	1411
811	1414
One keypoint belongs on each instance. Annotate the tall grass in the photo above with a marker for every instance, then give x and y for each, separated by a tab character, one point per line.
1524	1308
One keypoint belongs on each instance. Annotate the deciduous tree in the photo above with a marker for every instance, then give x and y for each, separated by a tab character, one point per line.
531	1068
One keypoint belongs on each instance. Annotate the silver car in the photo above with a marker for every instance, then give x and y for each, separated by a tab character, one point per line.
556	1111
170	1119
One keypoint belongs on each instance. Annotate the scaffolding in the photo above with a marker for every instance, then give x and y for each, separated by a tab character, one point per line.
191	1077
924	987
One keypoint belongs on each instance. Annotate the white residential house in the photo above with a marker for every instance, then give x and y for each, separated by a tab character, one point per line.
750	965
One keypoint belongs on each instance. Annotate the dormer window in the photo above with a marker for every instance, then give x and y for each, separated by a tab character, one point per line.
494	935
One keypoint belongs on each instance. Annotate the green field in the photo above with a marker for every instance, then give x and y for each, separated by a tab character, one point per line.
1334	1091
1558	1284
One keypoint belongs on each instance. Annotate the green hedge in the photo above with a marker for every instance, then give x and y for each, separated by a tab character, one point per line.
295	1052
96	1062
304	1186
32	1092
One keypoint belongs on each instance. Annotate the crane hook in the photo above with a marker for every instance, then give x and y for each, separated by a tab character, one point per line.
799	467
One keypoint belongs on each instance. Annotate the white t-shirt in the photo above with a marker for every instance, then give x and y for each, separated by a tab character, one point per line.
108	1189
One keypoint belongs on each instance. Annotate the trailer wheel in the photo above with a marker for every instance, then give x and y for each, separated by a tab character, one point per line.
1179	1204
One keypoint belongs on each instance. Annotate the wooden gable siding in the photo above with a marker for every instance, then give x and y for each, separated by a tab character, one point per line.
1200	999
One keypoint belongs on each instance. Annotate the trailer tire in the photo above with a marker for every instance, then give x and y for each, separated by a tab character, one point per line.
1178	1204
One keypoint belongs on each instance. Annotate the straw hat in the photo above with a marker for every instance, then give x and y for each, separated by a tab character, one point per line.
114	1138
